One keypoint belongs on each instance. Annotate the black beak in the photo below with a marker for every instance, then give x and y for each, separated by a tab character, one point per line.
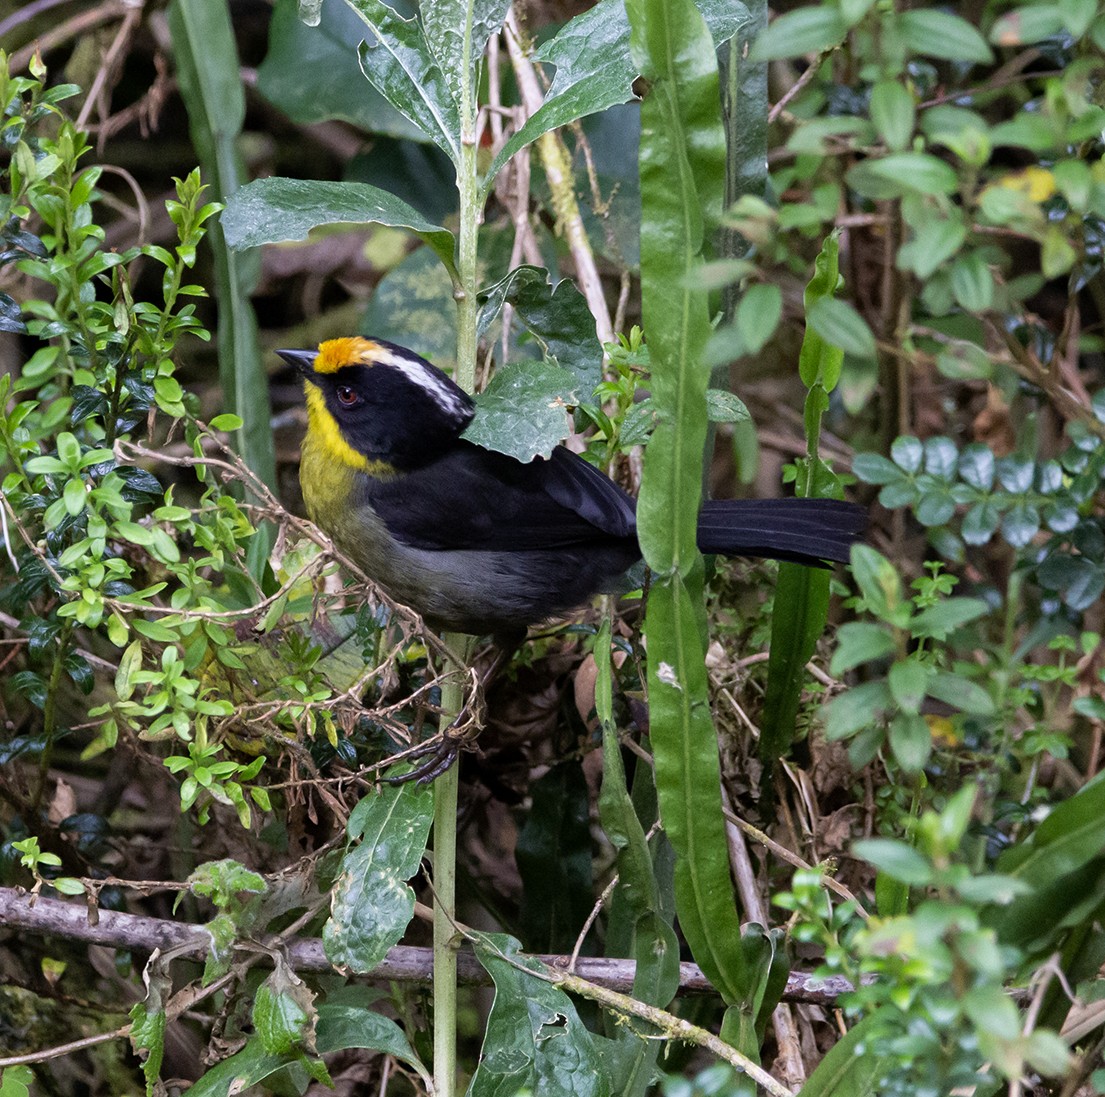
302	360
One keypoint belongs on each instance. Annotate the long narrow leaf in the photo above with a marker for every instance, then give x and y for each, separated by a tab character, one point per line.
207	66
682	164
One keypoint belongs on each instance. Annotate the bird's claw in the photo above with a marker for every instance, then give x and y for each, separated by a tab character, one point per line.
436	755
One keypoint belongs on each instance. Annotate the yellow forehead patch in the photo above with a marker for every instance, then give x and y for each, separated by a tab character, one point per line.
335	354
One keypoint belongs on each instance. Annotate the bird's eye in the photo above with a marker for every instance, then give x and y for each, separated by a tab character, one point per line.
347	397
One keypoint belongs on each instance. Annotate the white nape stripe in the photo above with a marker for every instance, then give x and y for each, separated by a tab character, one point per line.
444	396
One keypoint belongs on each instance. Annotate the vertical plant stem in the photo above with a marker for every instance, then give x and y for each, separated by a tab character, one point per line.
445	788
445	891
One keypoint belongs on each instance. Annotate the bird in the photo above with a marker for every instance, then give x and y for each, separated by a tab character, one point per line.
477	541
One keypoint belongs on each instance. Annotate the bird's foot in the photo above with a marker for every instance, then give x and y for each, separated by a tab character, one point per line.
436	755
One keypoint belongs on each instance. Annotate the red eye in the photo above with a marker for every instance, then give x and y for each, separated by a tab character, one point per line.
347	396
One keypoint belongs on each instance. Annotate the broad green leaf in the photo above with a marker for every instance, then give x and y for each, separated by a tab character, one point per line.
556	316
962	693
456	32
413	305
594	68
855	709
372	902
908	681
271	211
535	1042
902	173
725	407
878	582
337	88
346	1020
398	62
804	30
524	411
945	617
935	33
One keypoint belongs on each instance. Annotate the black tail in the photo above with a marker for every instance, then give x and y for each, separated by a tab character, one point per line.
807	531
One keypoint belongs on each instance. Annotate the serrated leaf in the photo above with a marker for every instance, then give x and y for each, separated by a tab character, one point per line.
594	68
524	411
556	316
328	51
402	68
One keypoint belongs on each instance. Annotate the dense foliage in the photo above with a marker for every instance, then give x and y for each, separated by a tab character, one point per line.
881	227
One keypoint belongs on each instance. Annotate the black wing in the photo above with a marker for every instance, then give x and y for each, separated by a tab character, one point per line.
473	498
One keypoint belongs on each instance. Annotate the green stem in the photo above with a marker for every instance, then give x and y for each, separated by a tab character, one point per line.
452	694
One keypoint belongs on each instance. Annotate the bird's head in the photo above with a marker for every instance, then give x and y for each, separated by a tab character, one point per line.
377	406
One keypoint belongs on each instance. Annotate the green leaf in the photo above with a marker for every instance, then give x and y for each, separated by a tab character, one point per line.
524	411
908	681
413	306
910	740
594	68
535	1041
346	1020
820	361
961	693
456	32
972	282
858	1063
878	581
857	708
797	622
556	316
758	314
935	33
945	617
328	51
724	407
805	30
905	173
681	165
1026	24
859	642
398	62
209	73
894	113
372	902
839	324
636	904
896	859
270	211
